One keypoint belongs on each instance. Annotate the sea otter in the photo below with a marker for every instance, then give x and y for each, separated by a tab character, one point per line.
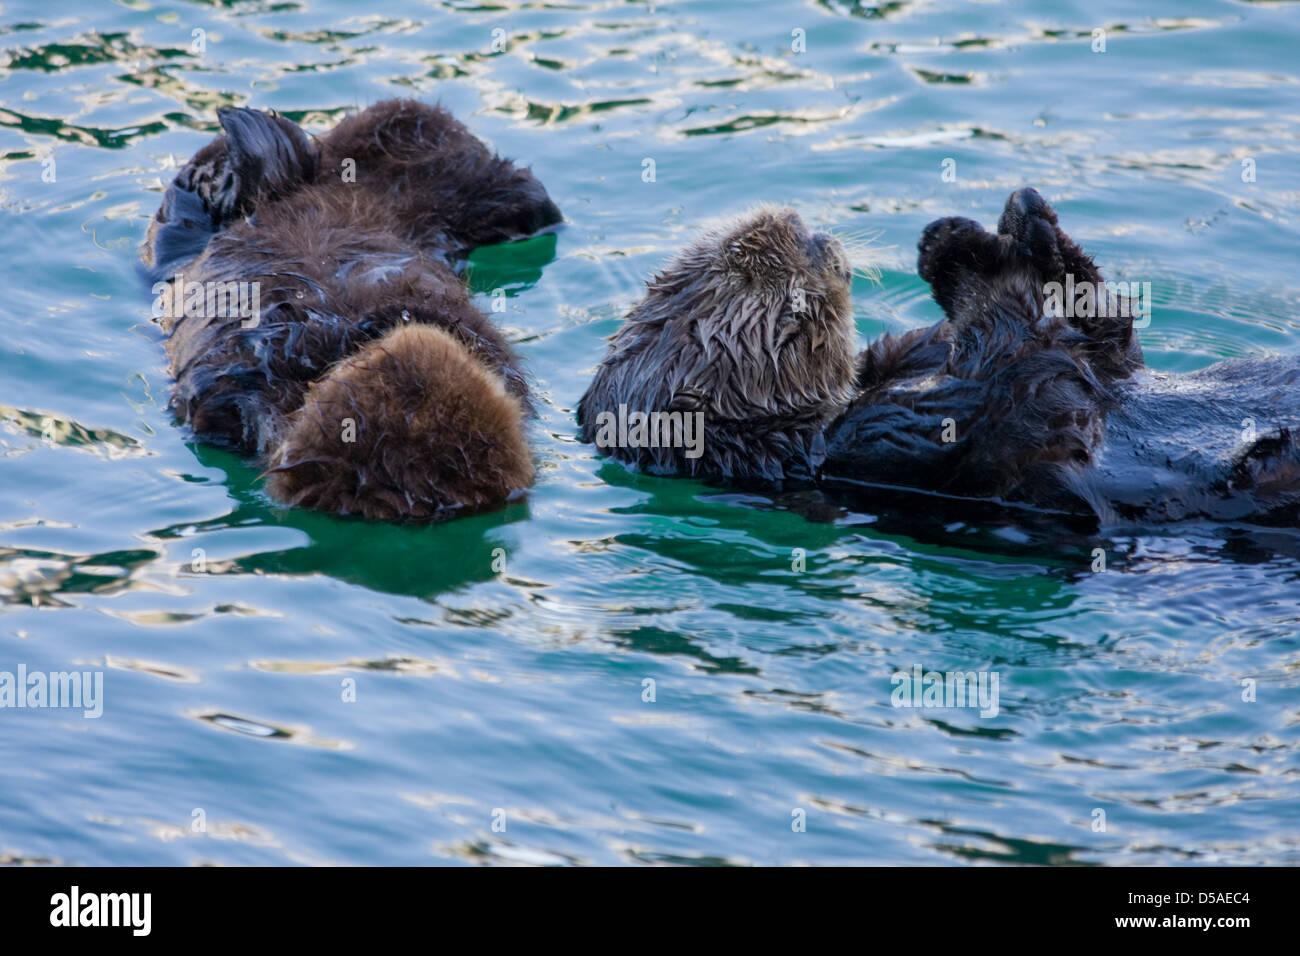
1011	399
1015	399
734	361
358	372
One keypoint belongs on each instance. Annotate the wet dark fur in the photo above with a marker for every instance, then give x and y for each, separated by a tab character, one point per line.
447	190
347	271
720	332
1058	413
261	157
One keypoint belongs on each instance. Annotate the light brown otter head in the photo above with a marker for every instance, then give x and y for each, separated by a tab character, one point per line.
412	426
749	331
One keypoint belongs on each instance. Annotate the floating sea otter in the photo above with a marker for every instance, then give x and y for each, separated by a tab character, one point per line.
1011	398
362	378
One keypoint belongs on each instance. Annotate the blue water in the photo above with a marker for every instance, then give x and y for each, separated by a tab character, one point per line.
514	695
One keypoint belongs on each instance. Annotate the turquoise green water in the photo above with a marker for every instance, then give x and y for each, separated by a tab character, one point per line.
515	693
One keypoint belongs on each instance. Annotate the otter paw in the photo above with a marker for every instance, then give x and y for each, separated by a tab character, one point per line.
952	249
1030	223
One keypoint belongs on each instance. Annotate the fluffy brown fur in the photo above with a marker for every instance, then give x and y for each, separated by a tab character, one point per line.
446	189
435	431
368	380
751	326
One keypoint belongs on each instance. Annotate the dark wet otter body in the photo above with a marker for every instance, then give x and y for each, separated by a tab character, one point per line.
1002	401
1181	446
367	382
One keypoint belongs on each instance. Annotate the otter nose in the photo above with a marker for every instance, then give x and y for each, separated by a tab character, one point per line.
817	244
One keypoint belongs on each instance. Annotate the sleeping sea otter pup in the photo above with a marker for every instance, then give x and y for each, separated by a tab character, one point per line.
735	359
1015	400
355	367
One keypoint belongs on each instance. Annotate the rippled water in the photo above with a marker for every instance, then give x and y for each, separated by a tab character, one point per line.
521	691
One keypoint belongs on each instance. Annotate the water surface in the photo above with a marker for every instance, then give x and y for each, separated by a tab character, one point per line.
499	662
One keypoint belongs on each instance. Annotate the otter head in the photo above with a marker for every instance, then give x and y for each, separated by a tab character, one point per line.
766	303
412	426
751	327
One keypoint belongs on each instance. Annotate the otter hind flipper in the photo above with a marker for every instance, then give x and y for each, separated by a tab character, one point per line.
450	192
1104	318
179	232
269	157
1028	270
950	252
1032	222
259	155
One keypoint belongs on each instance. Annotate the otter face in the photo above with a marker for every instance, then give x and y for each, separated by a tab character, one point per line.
750	327
766	306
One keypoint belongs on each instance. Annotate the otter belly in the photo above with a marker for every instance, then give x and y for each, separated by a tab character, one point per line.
1219	443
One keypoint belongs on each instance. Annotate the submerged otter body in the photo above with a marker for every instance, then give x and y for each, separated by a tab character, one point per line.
1219	443
1003	400
366	382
